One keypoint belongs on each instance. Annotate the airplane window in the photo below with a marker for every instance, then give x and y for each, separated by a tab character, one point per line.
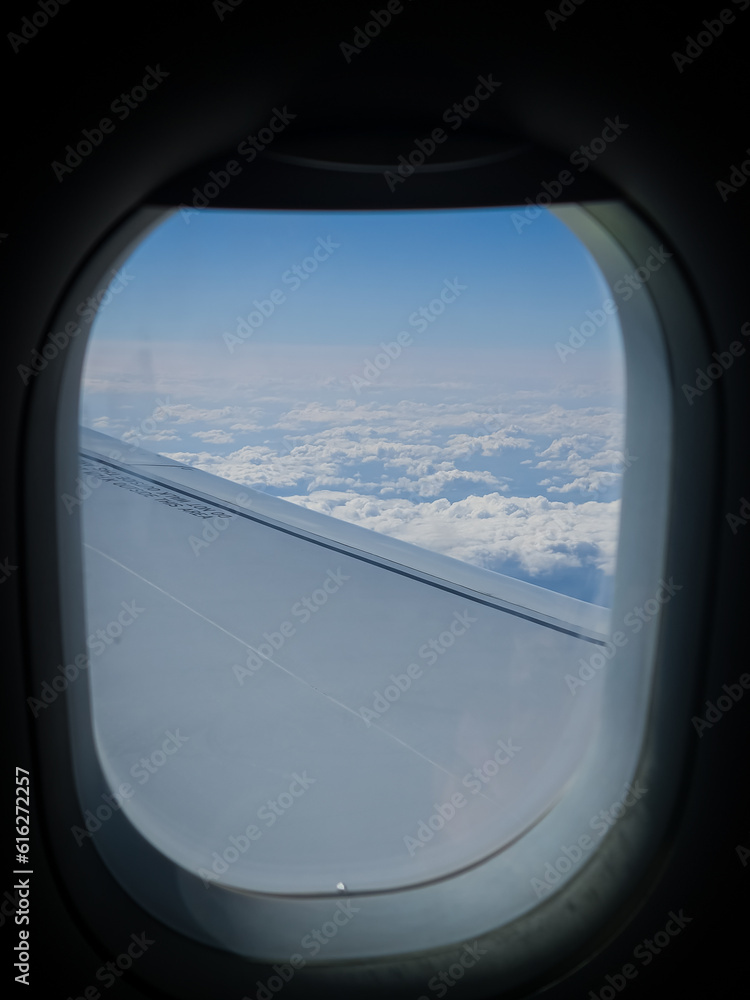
350	492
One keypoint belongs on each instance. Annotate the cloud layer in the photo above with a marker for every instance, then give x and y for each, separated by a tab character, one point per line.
525	481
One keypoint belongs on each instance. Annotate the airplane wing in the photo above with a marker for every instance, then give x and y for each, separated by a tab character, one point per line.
348	708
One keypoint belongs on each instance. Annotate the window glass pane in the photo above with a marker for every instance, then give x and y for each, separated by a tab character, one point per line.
331	656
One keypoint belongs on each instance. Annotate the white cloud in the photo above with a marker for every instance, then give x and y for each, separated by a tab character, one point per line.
138	437
186	413
594	481
215	436
541	535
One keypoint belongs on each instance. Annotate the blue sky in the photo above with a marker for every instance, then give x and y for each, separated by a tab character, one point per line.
476	440
199	271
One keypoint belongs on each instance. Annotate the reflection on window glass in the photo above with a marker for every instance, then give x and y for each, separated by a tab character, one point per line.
438	377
